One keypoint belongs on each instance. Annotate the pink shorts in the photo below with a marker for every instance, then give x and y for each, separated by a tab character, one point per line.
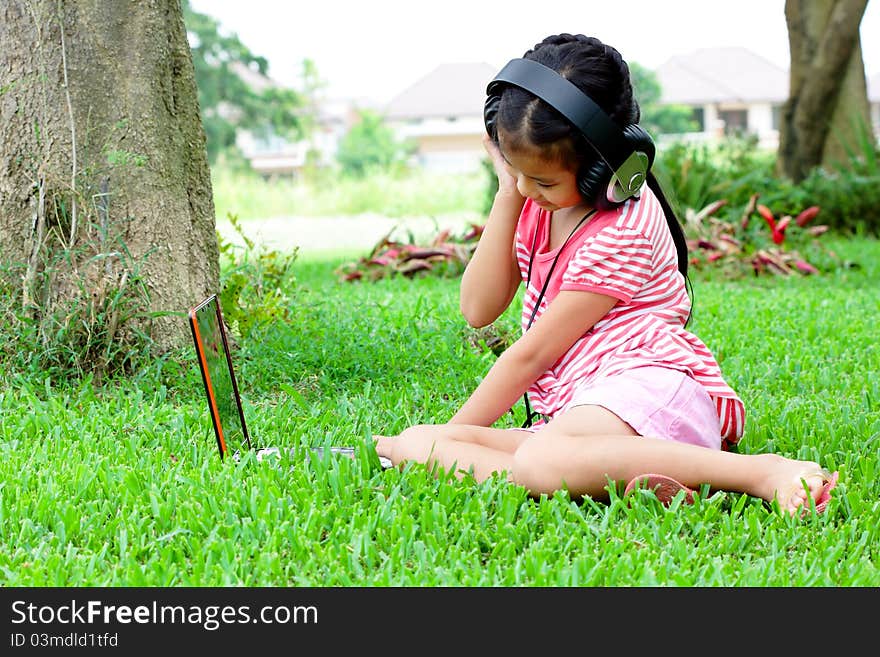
657	402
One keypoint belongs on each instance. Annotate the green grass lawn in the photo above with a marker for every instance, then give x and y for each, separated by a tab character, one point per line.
121	485
248	196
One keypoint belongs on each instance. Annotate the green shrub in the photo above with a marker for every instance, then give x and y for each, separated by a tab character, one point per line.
445	255
696	175
370	144
850	200
759	241
256	284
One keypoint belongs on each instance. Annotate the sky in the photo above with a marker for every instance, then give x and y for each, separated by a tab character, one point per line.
372	50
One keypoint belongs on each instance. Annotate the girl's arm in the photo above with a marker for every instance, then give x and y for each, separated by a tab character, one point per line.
567	318
492	276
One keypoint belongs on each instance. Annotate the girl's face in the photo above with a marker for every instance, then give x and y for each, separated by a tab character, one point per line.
548	183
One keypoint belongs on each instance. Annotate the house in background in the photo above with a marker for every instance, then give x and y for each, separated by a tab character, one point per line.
730	90
442	114
733	90
272	155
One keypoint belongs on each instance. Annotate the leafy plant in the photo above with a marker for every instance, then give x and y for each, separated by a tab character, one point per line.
255	282
695	175
79	306
370	144
743	246
445	255
851	192
96	324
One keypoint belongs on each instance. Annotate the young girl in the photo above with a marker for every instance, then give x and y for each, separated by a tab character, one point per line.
619	386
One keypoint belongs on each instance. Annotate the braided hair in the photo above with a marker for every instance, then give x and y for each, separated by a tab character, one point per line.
524	121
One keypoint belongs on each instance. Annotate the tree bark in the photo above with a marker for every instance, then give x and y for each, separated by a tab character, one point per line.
104	179
828	99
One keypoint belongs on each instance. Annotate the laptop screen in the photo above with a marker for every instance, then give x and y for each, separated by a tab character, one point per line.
221	389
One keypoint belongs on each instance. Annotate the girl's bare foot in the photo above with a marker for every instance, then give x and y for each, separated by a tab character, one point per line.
382	446
793	484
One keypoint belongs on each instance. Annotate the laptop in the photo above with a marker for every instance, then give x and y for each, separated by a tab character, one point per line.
221	388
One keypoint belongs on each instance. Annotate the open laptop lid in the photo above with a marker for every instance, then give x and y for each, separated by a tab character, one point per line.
224	402
218	375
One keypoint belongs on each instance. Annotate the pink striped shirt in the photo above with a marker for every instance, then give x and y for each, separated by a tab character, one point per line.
627	253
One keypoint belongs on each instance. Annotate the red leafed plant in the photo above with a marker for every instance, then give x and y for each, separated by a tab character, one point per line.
737	247
444	255
742	246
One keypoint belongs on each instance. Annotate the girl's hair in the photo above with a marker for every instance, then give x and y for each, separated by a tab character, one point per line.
600	72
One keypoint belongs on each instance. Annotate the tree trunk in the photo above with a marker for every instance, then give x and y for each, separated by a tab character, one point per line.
105	191
828	100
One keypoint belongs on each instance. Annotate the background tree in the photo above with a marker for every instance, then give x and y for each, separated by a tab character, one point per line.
235	90
370	144
106	210
827	107
658	119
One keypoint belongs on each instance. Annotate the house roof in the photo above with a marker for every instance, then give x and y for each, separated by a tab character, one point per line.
457	89
711	75
708	75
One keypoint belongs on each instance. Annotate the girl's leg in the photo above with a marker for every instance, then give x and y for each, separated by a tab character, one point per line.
455	446
564	455
585	447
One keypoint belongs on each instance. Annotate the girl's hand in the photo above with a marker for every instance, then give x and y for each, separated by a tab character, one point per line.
506	181
492	275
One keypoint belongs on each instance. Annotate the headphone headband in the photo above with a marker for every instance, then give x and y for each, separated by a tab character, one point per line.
629	166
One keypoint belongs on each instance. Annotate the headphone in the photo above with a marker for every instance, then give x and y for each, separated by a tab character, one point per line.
625	155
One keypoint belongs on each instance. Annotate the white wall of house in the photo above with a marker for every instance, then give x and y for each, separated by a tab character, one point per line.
758	121
761	122
444	145
274	155
271	155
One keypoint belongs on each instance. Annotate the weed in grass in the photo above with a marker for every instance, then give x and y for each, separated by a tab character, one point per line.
256	284
84	320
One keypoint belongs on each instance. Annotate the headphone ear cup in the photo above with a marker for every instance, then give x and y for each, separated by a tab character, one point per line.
640	144
490	114
593	181
640	141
